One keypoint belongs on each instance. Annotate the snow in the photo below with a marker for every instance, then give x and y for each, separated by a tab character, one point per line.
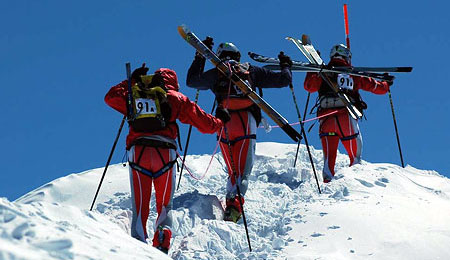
370	211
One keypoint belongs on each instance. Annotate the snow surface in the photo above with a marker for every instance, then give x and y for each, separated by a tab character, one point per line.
370	211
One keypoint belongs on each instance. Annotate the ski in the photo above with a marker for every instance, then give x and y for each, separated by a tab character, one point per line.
311	54
272	60
346	70
195	42
369	72
383	69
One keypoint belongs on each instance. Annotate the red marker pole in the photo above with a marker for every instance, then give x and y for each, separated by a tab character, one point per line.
347	38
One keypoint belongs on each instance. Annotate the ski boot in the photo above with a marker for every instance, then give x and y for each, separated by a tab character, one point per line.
161	239
233	210
326	178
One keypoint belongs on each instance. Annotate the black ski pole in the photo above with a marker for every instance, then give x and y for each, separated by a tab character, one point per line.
304	117
233	168
187	144
396	129
304	136
108	161
128	68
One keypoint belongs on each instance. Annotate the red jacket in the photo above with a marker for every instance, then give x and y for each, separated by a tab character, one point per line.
313	81
182	109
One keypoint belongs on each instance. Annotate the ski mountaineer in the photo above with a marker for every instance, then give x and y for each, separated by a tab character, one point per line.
245	115
152	154
340	126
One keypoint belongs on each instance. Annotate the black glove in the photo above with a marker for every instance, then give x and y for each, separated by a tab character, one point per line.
285	61
223	114
209	42
389	82
137	73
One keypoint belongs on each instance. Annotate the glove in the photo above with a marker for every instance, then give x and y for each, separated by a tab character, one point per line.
223	114
285	61
137	73
389	82
209	42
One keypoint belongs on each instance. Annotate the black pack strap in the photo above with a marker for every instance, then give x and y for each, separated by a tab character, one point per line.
260	91
232	142
151	174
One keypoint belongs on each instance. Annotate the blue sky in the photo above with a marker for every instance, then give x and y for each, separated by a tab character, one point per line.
59	58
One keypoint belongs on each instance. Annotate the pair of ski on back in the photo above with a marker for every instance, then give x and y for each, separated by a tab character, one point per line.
195	42
316	64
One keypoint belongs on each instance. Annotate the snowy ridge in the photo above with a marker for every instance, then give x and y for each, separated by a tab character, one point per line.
370	211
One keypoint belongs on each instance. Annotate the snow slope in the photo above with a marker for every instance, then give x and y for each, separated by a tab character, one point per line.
370	211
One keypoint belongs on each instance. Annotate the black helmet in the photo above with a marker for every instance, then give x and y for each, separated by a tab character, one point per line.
228	51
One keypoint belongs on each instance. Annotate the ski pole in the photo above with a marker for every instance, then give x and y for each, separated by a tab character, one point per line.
396	129
304	136
347	37
129	107
187	144
233	168
304	118
108	161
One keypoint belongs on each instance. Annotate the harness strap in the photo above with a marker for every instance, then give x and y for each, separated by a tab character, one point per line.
243	123
350	137
149	173
345	138
237	139
328	134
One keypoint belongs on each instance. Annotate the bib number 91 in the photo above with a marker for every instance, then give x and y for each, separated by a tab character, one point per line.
145	106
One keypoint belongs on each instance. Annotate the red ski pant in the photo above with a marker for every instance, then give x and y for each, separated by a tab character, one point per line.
343	127
152	159
241	131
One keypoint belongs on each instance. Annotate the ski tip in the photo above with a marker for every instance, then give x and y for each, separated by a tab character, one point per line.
405	69
305	39
183	30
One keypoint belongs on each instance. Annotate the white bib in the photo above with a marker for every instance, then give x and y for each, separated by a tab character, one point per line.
145	106
345	81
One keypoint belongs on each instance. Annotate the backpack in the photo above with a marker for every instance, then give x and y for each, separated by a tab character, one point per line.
151	109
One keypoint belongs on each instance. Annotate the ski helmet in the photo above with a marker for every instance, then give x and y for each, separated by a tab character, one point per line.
342	51
228	51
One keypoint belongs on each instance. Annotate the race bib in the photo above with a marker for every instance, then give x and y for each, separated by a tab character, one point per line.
145	106
238	90
345	81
